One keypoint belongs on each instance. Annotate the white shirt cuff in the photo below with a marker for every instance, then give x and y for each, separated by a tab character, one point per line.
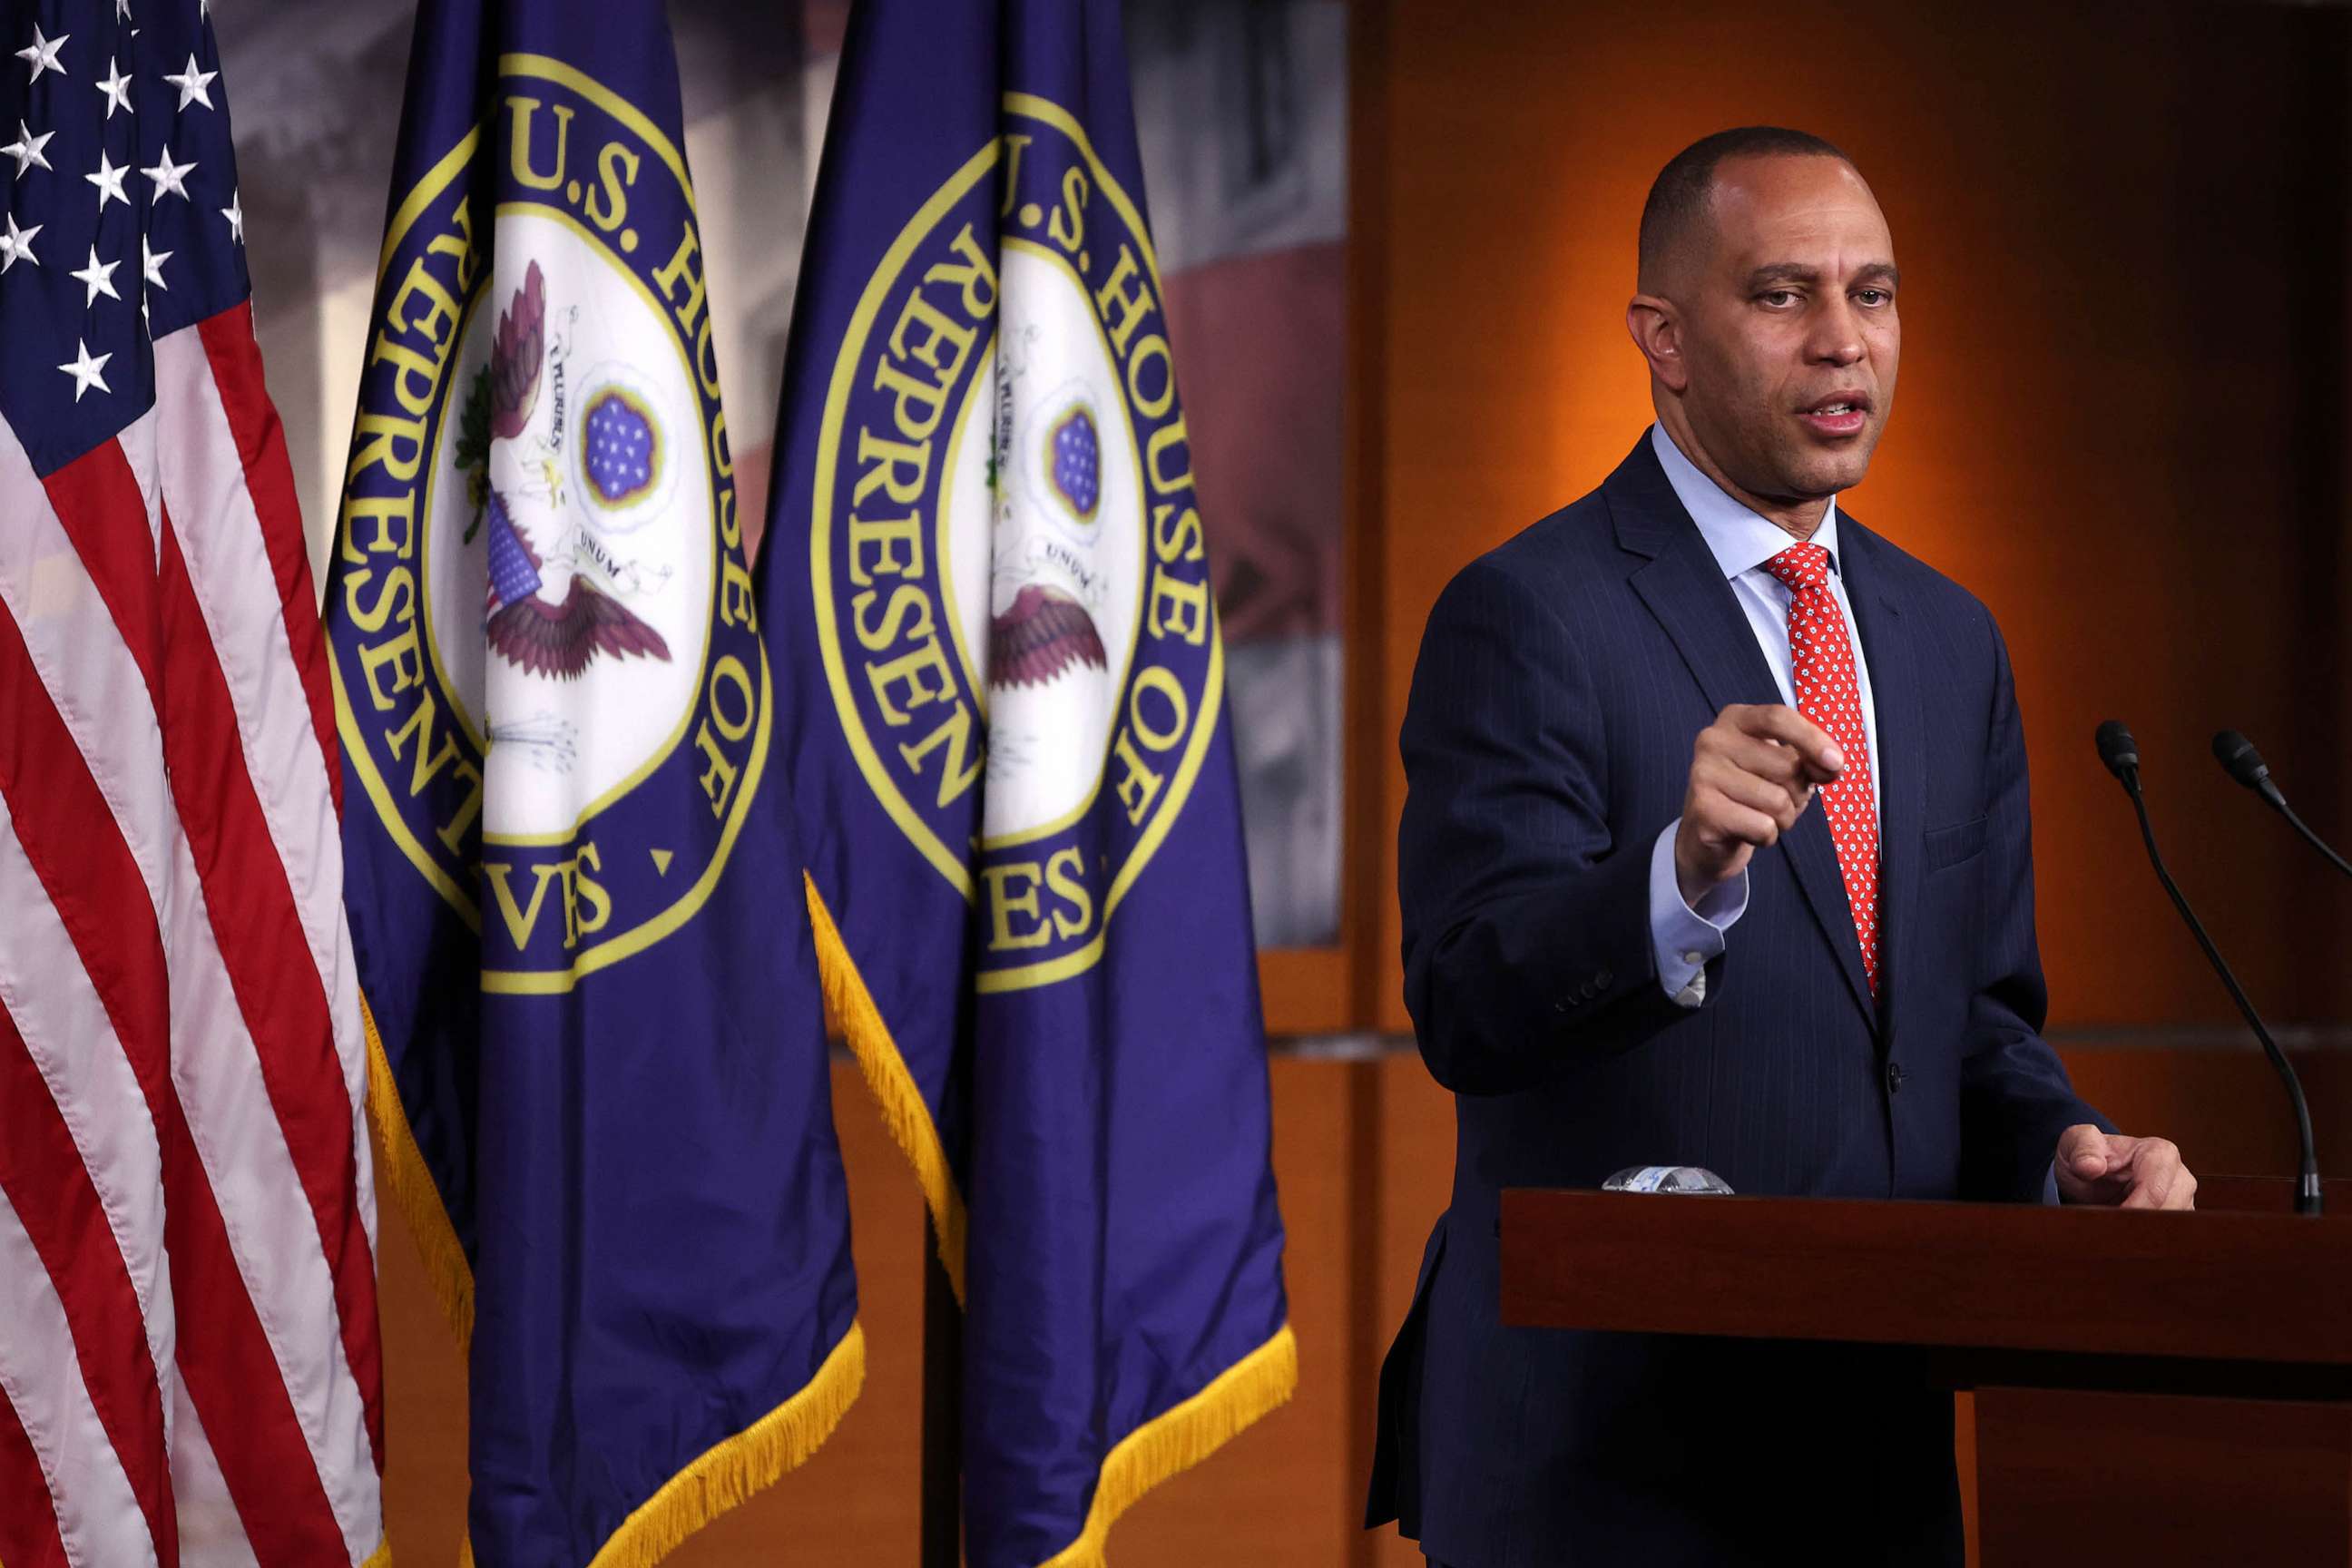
1684	939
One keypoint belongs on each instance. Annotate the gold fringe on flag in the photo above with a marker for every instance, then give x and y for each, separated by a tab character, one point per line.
731	1471
1175	1440
849	1008
414	1189
723	1476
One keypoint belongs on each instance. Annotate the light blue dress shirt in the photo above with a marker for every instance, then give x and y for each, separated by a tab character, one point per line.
1685	939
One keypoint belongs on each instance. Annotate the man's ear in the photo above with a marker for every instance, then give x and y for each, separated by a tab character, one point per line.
1656	330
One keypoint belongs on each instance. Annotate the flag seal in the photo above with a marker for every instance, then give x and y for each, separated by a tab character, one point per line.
556	666
1010	575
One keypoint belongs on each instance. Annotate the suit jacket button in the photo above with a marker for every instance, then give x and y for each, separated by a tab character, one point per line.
1600	981
1895	1077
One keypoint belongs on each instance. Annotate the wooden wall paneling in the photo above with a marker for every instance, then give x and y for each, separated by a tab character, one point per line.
1372	633
2222	1104
2314	759
424	1398
1369	739
1291	1489
1271	1495
1305	990
2321	756
1274	1494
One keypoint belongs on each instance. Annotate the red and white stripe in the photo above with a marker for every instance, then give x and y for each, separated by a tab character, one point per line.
189	1366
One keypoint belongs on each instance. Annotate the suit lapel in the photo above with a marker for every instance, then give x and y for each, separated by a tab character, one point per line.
1684	587
1889	647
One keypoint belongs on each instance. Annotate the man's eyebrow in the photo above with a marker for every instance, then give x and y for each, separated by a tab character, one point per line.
1782	272
1778	272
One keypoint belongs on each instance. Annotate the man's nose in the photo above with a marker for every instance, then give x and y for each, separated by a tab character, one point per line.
1836	338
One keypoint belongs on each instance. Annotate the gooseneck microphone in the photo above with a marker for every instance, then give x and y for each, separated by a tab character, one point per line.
2243	762
2121	755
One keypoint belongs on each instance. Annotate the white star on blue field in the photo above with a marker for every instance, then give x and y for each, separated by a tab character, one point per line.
620	448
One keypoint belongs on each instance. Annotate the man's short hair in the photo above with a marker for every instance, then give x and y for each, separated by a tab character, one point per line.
1678	195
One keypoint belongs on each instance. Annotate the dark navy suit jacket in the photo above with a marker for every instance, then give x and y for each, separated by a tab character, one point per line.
1562	683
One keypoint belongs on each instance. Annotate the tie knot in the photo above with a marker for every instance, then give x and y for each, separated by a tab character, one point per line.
1800	566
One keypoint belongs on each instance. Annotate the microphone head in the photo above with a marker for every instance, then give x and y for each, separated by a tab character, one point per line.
2119	750
2237	754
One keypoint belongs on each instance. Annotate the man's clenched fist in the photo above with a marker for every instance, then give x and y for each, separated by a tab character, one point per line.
1753	773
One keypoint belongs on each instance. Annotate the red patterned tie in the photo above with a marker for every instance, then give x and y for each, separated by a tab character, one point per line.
1822	659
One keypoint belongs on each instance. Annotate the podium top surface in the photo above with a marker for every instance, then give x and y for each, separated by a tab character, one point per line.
2216	1286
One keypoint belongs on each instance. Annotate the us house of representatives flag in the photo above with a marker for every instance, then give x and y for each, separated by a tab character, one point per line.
1003	720
600	1072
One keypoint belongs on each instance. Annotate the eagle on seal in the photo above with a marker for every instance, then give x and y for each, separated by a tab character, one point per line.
1041	634
558	640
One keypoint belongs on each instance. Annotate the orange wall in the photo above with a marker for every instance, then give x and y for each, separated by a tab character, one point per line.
2121	229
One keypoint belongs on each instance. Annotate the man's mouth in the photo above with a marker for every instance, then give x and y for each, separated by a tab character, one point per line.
1843	414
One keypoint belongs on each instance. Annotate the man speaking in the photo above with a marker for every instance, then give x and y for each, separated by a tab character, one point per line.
1716	853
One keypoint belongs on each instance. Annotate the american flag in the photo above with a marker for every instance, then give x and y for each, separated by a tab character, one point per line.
189	1369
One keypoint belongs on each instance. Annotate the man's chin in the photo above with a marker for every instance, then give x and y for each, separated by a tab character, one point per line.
1825	474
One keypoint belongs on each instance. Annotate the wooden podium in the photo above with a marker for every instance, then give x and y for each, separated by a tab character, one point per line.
2165	1389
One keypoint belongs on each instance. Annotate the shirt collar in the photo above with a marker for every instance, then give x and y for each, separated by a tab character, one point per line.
1740	540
